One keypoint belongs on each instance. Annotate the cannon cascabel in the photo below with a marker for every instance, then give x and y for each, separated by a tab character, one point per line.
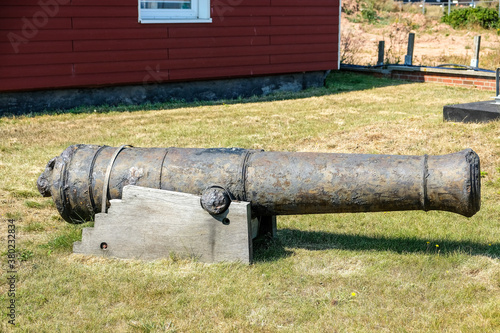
275	183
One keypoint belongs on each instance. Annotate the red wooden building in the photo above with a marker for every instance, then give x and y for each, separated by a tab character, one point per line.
61	44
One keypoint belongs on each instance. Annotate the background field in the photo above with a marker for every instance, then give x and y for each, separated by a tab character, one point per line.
383	272
366	22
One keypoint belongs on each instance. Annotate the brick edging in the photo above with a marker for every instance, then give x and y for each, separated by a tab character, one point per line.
467	79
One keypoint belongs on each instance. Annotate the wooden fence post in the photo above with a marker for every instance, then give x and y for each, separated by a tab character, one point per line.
477	44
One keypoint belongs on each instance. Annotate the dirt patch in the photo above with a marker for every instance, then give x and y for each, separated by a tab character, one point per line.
435	43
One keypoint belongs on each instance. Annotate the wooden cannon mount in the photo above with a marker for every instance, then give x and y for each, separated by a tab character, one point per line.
210	203
152	224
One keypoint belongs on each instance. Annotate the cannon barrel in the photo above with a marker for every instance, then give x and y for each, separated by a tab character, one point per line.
275	183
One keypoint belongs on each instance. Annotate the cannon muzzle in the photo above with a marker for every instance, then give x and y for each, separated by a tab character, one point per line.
84	177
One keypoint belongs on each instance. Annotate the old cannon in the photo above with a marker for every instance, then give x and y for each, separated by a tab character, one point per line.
85	179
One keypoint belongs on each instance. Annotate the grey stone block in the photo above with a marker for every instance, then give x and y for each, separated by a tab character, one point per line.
477	112
18	103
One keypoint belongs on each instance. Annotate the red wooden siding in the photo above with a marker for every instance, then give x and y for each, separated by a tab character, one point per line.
48	44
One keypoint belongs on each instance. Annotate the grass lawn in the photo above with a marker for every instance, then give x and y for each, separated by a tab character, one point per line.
370	272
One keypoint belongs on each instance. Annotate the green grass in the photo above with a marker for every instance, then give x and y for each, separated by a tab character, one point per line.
370	272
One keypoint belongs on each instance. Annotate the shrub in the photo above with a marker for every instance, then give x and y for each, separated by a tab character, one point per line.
369	14
351	46
485	17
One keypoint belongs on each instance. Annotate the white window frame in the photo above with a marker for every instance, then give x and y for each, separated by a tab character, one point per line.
199	13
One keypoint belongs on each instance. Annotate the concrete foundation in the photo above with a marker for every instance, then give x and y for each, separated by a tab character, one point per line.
18	103
478	112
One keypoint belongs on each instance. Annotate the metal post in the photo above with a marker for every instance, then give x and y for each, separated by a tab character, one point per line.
449	7
381	50
409	53
477	45
423	7
497	77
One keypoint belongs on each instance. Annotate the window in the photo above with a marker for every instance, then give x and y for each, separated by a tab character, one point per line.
174	11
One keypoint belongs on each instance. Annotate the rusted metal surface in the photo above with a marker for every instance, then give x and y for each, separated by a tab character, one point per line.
275	183
215	200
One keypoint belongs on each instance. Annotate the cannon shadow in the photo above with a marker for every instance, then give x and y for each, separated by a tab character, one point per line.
288	239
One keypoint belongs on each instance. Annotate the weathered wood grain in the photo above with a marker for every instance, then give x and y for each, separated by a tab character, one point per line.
151	224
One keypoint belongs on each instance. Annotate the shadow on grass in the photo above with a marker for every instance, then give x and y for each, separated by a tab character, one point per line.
336	82
288	239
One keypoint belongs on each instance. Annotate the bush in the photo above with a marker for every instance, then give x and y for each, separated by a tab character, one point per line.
369	14
485	17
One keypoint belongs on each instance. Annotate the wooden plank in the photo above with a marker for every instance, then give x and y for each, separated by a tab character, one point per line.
210	73
305	20
35	70
104	3
295	68
189	32
254	50
10	3
69	81
282	11
305	39
165	65
103	11
240	3
182	32
32	10
71	11
109	23
35	47
153	224
218	62
302	57
94	34
251	21
13	24
242	71
214	42
81	57
130	22
298	30
126	44
111	66
304	3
